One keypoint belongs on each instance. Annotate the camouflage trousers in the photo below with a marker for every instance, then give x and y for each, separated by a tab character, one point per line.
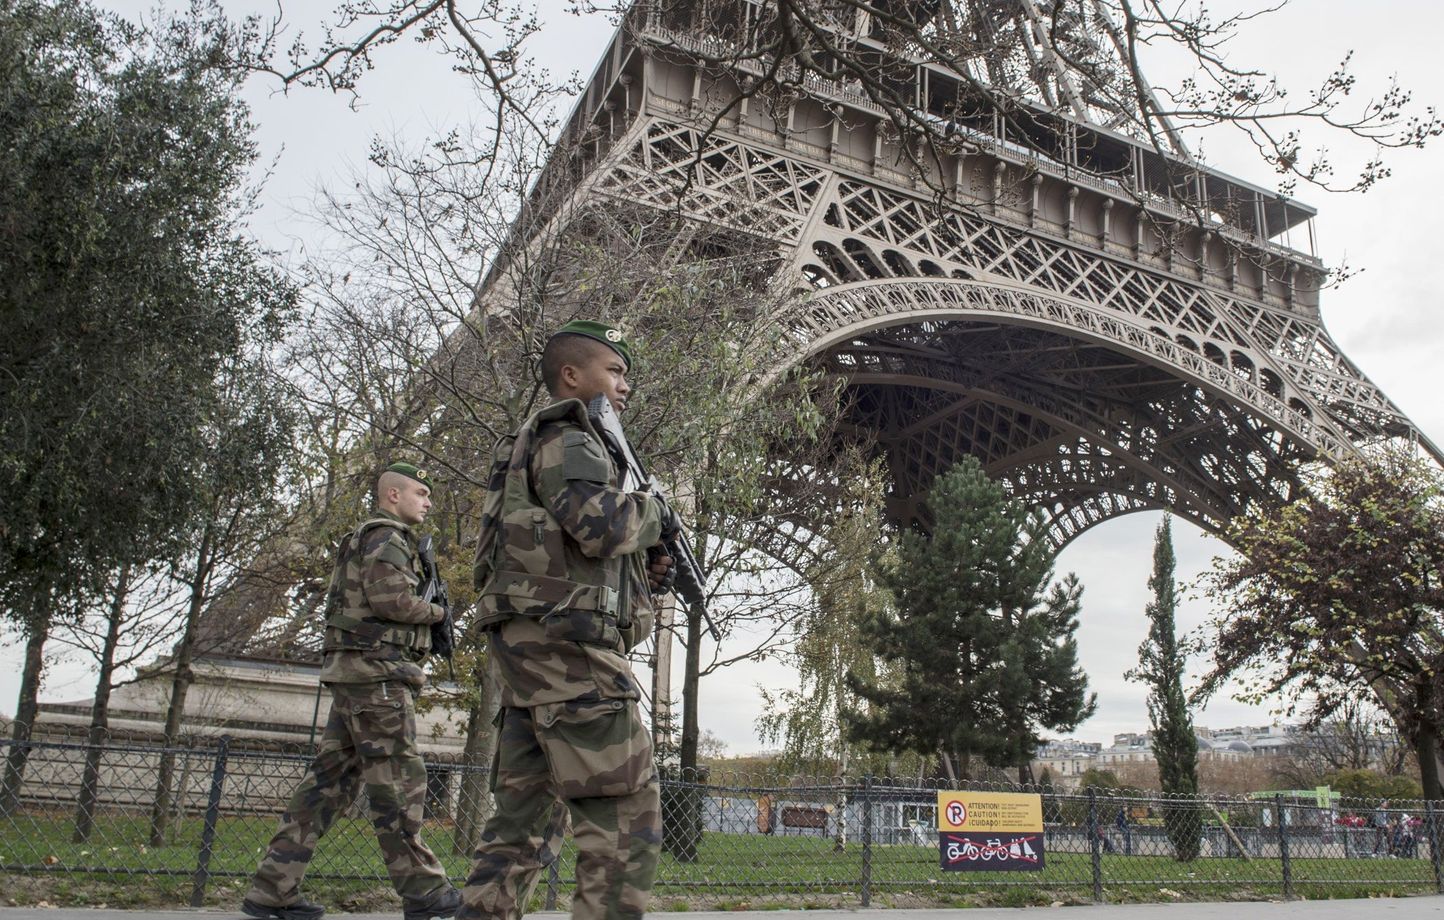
590	761
370	739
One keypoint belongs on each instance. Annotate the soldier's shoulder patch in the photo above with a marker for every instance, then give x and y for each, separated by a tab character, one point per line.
583	457
572	436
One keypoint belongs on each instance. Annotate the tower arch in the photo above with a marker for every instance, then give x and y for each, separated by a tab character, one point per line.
1083	413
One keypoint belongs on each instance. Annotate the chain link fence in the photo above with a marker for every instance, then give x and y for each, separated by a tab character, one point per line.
133	823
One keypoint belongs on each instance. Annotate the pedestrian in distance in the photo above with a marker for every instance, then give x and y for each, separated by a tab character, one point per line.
566	566
1103	841
1403	838
1380	822
377	633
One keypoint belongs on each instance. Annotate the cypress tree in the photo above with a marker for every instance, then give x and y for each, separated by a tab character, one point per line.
1160	666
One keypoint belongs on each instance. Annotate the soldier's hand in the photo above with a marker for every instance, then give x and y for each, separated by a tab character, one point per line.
661	570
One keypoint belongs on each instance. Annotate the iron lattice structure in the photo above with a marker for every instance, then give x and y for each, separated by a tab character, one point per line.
1055	288
1108	325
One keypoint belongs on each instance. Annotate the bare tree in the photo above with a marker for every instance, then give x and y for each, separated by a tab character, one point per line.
1357	735
1017	70
246	464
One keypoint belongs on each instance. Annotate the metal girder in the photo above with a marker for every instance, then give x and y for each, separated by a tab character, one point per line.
1203	394
1068	424
864	231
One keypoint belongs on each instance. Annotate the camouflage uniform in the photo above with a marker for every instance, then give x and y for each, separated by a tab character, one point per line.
377	634
561	569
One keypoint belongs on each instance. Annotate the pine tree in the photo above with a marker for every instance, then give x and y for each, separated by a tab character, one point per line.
980	649
1160	666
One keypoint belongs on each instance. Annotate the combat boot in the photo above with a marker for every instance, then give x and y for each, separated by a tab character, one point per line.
443	902
296	910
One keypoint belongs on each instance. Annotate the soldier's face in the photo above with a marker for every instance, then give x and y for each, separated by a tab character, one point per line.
604	373
413	503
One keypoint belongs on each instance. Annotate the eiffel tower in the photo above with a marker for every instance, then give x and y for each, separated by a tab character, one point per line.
1107	324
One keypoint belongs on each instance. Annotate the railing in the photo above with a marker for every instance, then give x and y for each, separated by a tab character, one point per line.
729	840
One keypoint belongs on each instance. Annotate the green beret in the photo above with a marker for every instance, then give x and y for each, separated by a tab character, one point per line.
607	335
411	471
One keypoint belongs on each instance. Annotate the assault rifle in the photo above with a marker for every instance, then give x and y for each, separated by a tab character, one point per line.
433	591
691	580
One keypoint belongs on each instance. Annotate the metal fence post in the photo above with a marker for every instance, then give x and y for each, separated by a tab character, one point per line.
1094	845
208	832
1288	867
866	799
554	878
1432	829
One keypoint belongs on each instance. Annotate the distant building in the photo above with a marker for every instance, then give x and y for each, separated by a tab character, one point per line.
256	701
272	714
1066	760
1127	747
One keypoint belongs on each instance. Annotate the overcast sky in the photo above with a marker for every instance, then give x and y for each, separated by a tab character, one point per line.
1383	318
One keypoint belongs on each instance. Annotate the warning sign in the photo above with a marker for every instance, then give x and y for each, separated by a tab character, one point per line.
990	811
991	831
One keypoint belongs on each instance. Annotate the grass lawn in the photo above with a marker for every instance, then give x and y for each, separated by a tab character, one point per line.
116	867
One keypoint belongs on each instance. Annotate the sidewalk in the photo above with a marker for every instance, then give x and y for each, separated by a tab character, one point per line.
1428	908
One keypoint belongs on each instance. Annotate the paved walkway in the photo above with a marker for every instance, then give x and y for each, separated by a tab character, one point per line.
1428	908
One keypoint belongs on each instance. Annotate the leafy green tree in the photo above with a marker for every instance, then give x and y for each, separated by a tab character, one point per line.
1074	809
983	647
1341	593
125	280
1372	785
1099	778
1160	666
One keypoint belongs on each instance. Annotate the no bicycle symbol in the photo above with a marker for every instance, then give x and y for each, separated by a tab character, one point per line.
996	852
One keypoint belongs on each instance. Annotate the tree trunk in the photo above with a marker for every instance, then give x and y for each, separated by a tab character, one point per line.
473	798
691	681
162	807
27	709
180	685
947	762
682	791
1426	747
100	712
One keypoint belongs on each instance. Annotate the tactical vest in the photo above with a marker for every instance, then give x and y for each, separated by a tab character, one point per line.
351	625
522	565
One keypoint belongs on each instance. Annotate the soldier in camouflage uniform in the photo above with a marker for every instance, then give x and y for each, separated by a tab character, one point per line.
565	592
378	631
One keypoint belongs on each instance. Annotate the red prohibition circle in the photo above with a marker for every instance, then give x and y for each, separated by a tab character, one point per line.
957	813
